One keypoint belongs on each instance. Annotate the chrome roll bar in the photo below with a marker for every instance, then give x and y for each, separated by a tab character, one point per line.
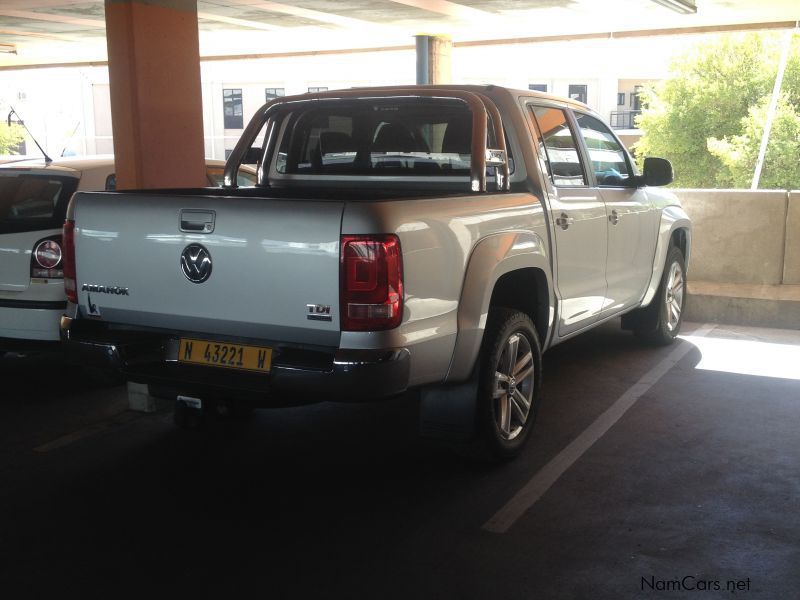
479	105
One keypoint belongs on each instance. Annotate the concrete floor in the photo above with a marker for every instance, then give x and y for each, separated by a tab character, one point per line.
698	481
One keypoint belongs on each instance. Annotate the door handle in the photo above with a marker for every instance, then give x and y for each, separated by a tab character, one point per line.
197	221
564	221
614	217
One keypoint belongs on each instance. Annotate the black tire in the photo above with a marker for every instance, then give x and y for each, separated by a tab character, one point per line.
658	324
501	433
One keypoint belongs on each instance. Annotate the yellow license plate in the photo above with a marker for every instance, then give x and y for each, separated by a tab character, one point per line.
226	355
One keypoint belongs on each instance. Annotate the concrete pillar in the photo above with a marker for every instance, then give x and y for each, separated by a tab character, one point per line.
434	63
156	103
791	266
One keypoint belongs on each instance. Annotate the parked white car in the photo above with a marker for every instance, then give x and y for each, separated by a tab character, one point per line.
33	202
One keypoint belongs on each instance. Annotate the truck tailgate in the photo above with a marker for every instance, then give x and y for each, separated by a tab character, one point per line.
269	259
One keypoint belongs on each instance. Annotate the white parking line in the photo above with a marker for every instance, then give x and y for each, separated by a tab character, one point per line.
504	518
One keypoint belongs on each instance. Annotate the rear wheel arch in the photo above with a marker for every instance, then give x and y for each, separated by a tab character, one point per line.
527	291
507	269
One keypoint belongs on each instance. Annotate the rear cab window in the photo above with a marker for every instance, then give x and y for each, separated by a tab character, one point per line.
32	202
397	138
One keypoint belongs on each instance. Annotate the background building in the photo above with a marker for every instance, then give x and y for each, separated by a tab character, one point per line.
604	73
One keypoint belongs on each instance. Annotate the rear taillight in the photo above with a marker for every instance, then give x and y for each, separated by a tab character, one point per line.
371	282
46	259
68	248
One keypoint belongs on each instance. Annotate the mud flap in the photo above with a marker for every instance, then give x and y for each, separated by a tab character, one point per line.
448	412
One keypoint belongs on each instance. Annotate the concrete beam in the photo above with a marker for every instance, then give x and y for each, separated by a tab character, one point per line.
156	103
305	13
451	9
53	18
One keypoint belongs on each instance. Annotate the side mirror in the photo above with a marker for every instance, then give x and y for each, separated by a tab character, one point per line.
657	171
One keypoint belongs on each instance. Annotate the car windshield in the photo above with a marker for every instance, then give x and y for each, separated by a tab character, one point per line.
29	202
379	137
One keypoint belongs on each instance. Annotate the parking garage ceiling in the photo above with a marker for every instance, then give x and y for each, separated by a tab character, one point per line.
50	31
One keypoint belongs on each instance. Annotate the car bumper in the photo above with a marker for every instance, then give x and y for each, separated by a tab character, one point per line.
297	375
27	326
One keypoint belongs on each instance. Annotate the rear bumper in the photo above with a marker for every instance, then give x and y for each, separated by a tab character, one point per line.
27	326
297	376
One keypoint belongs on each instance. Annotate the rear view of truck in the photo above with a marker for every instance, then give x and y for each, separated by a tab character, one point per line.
251	292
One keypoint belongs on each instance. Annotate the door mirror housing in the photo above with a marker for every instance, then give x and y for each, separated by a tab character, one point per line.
657	171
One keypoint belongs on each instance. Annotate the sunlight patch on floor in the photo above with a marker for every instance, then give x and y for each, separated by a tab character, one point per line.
747	357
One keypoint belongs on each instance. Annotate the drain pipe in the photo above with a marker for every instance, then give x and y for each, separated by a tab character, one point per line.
773	106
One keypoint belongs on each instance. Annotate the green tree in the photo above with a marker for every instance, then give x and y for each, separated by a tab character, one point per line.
707	118
10	137
739	153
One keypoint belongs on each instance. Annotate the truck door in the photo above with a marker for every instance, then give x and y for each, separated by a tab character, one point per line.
631	220
578	218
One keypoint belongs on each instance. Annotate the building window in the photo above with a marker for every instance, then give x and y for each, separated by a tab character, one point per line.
313	90
272	93
578	92
621	99
636	98
537	87
232	106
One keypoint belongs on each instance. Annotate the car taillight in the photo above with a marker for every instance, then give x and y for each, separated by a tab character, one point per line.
68	247
46	259
371	282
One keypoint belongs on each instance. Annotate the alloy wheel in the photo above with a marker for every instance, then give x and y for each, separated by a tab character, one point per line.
513	386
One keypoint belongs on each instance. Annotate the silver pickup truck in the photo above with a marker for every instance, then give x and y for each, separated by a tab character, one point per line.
429	240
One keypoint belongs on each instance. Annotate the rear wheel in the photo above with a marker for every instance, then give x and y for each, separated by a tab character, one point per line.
660	322
509	384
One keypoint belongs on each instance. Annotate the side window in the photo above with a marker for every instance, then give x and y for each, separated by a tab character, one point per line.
608	157
557	148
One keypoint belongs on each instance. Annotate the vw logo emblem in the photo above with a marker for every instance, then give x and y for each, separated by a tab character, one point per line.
196	263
